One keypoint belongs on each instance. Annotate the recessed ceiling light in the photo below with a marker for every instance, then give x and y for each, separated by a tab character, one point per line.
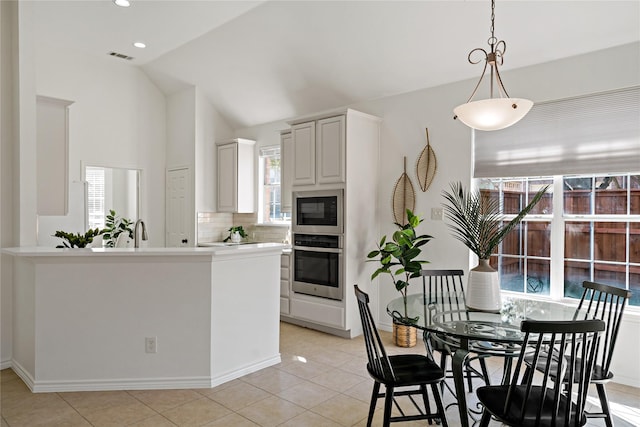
122	3
140	45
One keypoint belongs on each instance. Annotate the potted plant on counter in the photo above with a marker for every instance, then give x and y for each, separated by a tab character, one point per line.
399	259
77	240
114	226
477	222
236	234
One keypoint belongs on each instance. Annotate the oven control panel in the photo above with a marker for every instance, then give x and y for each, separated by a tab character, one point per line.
317	240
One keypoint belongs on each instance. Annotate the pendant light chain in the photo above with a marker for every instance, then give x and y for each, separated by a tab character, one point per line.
492	40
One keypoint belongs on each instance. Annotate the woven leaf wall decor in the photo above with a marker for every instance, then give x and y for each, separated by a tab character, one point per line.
404	197
426	165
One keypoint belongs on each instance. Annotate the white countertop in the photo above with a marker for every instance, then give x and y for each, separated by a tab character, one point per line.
247	248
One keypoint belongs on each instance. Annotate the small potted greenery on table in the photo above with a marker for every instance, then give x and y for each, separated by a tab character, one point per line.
398	259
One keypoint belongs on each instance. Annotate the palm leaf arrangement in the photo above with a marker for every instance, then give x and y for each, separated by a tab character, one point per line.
477	221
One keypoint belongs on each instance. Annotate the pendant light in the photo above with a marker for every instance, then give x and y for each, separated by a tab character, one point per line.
493	113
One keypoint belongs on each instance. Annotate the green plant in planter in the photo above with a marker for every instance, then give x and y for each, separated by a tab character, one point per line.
77	240
114	226
236	229
398	257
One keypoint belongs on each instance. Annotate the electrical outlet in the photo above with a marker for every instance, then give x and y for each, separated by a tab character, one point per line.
437	214
151	344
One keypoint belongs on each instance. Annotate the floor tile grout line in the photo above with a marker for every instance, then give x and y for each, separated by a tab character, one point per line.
156	412
60	395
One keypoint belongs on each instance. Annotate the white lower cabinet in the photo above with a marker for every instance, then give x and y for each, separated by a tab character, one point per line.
318	312
285	282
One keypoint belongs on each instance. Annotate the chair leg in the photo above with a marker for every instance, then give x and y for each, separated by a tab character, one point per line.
388	404
486	418
372	405
439	405
485	371
425	400
443	366
604	403
467	370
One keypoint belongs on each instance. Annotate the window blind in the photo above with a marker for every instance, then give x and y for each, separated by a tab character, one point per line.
598	133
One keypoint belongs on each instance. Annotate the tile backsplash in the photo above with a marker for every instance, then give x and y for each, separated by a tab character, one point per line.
214	227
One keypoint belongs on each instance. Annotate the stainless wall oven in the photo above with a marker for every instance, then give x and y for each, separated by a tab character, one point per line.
318	265
318	211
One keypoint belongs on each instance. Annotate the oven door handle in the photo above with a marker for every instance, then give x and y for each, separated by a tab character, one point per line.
313	249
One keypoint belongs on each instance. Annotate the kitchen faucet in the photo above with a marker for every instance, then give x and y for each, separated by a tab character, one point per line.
136	242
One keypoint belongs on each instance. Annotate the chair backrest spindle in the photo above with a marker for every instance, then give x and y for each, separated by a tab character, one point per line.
606	303
376	354
445	291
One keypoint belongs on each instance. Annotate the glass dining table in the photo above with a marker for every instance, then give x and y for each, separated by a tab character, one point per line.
478	333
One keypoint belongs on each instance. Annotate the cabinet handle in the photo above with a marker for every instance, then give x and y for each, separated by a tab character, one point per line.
185	241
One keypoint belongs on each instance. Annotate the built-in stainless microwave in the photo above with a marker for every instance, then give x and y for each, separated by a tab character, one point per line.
318	211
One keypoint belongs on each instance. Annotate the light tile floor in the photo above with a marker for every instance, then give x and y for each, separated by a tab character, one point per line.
322	381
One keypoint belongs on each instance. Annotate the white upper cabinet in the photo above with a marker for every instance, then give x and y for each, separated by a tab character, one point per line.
286	170
318	151
236	176
304	153
330	150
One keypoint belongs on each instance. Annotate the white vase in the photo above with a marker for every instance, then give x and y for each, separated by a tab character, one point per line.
236	237
483	288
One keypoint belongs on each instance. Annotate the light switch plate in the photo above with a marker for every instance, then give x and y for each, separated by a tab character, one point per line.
437	214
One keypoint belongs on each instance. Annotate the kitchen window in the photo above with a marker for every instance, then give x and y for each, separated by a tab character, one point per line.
589	222
269	211
95	178
588	225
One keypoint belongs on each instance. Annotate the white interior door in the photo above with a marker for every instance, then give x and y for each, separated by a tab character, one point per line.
178	208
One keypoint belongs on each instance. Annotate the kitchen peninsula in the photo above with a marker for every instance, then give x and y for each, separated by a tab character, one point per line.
147	318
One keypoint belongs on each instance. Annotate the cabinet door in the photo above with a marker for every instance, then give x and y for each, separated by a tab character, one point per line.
286	171
304	153
330	150
227	178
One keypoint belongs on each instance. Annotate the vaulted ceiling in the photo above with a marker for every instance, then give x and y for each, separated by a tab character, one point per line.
261	61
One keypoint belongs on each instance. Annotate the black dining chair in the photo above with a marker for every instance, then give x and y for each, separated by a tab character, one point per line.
398	372
606	303
445	293
531	401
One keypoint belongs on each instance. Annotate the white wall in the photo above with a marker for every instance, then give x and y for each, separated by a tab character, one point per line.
117	119
8	205
404	118
210	127
181	113
193	127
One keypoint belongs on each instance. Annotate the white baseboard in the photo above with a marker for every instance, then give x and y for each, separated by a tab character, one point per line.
625	380
138	383
22	373
5	364
221	379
